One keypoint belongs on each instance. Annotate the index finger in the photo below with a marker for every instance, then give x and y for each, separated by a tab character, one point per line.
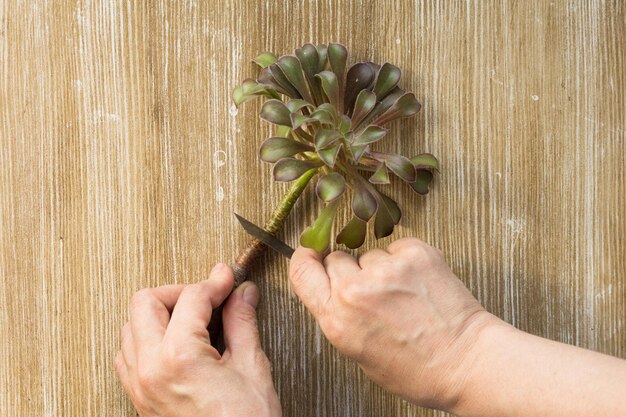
309	279
192	313
150	313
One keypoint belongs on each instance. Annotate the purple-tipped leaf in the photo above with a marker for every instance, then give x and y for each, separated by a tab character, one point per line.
317	236
392	207
298	104
290	66
370	135
383	223
330	187
388	78
267	79
365	102
380	176
359	77
265	59
326	137
345	124
275	111
329	154
405	106
364	204
337	57
250	89
402	167
322	52
357	151
323	117
309	59
283	81
330	87
289	169
398	164
422	181
276	148
425	161
353	234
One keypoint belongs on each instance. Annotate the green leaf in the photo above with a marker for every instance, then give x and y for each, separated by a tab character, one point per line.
329	155
265	59
275	111
380	176
325	137
357	151
345	124
290	66
398	164
423	179
330	109
250	89
365	102
323	117
407	105
330	86
275	148
388	78
322	52
392	207
425	161
298	104
267	79
364	204
337	56
289	169
317	236
382	106
359	77
383	223
370	135
278	78
330	187
309	59
282	131
353	234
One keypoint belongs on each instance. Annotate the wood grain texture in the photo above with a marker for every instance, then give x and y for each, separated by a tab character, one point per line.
121	162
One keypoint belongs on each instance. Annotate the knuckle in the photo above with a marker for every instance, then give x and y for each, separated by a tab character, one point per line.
141	298
300	271
148	378
351	294
176	356
119	361
261	361
334	331
247	317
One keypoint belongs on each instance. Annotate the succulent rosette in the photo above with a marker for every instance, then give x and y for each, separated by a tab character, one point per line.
329	118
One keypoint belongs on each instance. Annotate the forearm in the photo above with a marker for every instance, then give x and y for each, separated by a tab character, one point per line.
513	373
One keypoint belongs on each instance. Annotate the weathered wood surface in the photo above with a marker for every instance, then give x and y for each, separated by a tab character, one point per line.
121	162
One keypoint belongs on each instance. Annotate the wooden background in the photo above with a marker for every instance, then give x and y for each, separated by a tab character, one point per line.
121	161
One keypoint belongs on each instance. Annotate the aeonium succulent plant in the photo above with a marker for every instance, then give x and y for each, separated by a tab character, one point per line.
329	120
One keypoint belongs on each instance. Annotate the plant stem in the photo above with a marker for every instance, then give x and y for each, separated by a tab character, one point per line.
247	257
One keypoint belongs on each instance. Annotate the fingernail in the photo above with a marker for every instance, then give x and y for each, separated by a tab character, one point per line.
251	295
220	267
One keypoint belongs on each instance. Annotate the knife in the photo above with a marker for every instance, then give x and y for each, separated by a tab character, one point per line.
265	237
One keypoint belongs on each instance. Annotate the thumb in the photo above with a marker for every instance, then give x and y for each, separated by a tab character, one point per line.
309	279
241	332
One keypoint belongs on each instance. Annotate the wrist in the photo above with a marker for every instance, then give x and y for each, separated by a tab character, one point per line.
491	339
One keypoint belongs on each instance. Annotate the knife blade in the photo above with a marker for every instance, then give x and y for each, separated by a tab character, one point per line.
265	237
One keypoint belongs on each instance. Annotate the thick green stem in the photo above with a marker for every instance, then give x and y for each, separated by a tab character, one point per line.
247	257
